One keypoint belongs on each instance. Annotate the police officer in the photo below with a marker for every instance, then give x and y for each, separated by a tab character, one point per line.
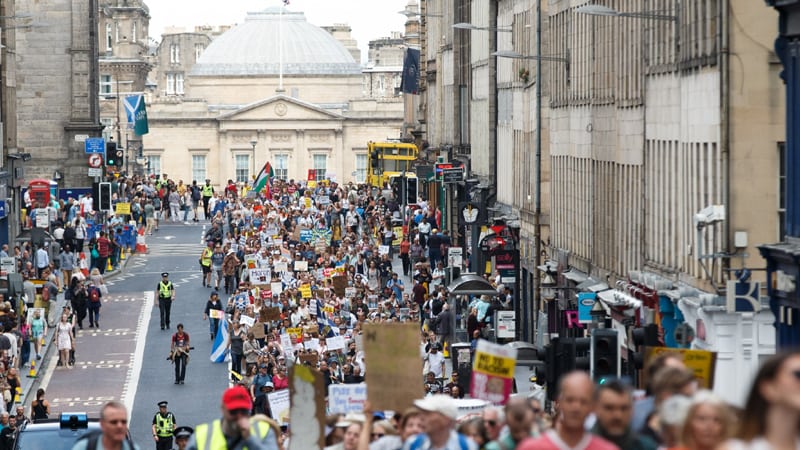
205	263
182	435
208	192
166	295
164	427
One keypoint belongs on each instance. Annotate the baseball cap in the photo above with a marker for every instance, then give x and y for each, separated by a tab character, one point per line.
439	403
236	397
350	419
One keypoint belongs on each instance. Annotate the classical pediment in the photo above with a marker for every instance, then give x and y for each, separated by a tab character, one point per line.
280	107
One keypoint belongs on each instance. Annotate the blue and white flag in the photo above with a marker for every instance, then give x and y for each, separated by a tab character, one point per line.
219	351
136	113
327	327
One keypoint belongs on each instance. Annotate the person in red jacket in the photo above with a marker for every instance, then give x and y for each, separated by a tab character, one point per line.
104	250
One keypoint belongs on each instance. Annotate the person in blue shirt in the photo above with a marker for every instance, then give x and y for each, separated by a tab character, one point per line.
396	285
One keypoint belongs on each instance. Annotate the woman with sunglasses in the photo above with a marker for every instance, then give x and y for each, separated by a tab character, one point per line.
772	412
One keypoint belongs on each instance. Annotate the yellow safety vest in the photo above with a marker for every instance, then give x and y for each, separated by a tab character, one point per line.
164	425
208	190
206	259
165	290
218	441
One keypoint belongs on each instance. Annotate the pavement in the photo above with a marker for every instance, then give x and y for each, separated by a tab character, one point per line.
31	384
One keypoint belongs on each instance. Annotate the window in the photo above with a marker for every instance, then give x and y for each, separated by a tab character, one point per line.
108	127
174	54
153	165
281	168
198	50
781	190
109	37
105	84
199	167
361	168
320	164
133	31
242	168
174	84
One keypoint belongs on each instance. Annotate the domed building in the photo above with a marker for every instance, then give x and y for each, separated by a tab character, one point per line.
273	88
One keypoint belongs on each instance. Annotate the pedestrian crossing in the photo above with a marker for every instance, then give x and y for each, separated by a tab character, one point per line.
169	249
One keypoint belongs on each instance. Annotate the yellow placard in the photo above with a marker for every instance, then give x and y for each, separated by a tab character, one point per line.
701	362
305	290
398	235
296	332
494	365
311	183
123	208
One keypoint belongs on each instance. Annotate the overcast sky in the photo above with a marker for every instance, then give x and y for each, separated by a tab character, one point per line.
369	19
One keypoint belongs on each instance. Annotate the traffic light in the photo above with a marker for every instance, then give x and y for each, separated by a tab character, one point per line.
119	157
604	355
411	191
562	356
643	337
111	154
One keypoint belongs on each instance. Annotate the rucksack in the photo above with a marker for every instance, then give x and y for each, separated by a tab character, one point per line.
94	294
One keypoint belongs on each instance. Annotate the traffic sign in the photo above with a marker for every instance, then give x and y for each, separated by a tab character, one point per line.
94	145
95	160
95	172
453	175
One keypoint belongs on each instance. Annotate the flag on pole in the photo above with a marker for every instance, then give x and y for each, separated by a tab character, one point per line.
327	327
264	179
409	82
219	350
137	113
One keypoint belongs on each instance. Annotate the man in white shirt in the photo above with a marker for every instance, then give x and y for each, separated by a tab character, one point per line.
436	361
86	203
42	261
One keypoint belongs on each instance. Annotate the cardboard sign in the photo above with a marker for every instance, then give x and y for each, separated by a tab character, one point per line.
312	344
335	343
307	415
216	313
702	362
311	359
346	398
388	347
270	313
493	372
305	290
280	267
301	266
258	330
280	404
339	285
276	288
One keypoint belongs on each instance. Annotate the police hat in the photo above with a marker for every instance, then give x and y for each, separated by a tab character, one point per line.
183	432
162	404
164	274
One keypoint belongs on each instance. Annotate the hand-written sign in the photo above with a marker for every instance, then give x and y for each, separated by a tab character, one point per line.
493	372
346	398
388	347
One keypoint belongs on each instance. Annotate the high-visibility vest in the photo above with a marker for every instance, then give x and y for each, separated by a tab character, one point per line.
218	441
206	259
165	290
208	190
164	425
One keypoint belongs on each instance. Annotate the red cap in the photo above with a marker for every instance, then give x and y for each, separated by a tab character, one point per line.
236	397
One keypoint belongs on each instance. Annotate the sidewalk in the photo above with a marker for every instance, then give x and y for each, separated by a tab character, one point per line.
29	385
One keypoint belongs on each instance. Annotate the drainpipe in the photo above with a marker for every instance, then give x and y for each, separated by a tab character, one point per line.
724	86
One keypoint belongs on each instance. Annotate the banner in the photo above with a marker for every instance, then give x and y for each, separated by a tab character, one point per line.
136	113
260	276
346	398
493	372
387	347
219	350
280	404
410	81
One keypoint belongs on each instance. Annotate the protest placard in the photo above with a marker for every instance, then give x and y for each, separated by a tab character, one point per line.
276	288
260	277
250	261
311	358
305	290
286	342
307	399
280	267
32	312
270	313
216	313
359	338
296	333
493	372
383	250
311	344
258	330
392	351
301	266
349	292
247	320
280	404
346	398
339	285
335	342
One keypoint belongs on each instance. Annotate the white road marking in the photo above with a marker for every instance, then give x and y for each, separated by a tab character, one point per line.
138	356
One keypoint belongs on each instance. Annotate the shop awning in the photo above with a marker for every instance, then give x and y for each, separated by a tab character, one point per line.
576	276
618	299
471	284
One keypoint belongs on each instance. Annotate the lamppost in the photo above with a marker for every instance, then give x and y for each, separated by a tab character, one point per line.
253	143
14	209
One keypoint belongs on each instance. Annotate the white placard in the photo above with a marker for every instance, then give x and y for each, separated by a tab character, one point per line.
276	288
312	344
335	343
260	276
346	398
280	266
383	250
8	265
301	266
286	342
247	320
455	256
349	292
279	403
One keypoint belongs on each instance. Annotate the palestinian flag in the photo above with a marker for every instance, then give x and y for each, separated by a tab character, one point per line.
264	180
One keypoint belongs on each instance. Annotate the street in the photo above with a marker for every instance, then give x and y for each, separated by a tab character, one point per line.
126	359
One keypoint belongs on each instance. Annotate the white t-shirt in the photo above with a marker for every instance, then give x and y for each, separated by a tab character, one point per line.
435	361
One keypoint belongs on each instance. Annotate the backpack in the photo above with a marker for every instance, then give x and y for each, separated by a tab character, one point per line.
195	193
94	294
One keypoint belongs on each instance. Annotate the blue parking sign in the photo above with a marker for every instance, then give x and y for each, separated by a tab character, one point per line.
95	145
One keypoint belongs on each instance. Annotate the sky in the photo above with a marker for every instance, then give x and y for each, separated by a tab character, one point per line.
369	19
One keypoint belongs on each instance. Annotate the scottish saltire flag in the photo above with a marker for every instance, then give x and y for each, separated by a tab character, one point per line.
219	351
136	113
326	326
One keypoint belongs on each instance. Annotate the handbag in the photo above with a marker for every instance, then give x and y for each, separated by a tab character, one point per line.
95	254
104	289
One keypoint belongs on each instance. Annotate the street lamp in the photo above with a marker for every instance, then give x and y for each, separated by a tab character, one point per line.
409	13
469	26
600	10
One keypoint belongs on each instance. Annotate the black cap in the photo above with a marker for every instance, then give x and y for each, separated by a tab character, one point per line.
164	274
162	404
183	432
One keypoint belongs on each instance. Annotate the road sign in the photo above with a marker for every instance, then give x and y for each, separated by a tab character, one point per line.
95	160
81	137
94	145
453	175
95	172
3	211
